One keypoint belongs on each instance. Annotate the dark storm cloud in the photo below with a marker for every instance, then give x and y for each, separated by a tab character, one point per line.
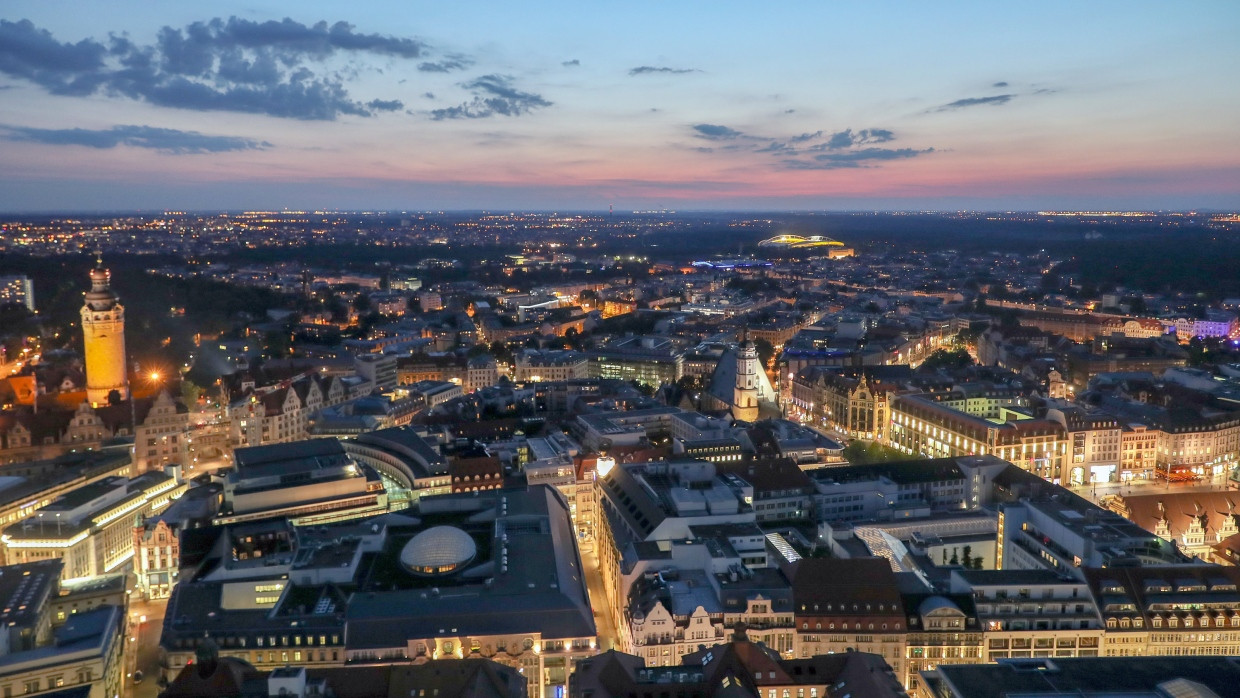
716	132
847	138
494	95
651	69
995	100
273	68
813	150
854	158
446	64
292	39
806	137
385	105
32	54
163	139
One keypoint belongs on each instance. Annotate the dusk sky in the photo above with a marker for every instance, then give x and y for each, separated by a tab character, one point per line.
117	105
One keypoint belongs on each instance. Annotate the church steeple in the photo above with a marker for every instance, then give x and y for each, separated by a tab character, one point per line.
745	393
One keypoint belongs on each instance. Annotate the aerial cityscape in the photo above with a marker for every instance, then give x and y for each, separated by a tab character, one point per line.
685	351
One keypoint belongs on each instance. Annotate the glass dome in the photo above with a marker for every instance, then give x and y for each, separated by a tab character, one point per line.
437	551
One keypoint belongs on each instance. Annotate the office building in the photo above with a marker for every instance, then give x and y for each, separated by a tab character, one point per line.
309	482
91	528
550	365
83	659
17	289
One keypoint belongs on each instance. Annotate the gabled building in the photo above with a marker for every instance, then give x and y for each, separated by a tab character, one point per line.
843	605
740	668
1172	610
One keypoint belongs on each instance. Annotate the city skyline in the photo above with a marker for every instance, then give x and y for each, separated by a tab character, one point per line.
558	106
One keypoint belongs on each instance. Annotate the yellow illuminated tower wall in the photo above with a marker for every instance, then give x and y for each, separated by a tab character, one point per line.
103	329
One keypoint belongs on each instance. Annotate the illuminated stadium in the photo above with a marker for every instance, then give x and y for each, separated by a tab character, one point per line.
799	242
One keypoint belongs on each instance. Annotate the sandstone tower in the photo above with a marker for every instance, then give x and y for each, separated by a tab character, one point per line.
103	331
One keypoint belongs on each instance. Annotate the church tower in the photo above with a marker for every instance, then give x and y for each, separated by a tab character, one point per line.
745	394
103	329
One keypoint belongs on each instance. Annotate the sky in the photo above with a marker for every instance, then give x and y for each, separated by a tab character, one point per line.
118	105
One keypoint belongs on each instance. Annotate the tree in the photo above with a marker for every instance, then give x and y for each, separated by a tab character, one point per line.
190	392
955	558
862	452
766	351
689	384
966	557
956	358
501	352
277	344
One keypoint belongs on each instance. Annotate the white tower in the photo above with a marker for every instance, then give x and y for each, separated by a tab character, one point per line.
103	332
745	394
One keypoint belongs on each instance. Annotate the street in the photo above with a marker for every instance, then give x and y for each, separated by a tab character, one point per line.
142	648
604	616
1095	492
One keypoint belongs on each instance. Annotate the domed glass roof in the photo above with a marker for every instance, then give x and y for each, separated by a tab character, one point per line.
438	550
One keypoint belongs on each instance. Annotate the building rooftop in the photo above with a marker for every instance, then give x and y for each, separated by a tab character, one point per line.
287	458
25	588
527	578
900	472
1088	677
438	550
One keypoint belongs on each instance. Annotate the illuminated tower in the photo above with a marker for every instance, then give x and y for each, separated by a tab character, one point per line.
103	329
745	394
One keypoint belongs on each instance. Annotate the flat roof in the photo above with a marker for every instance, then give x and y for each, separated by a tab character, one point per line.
278	456
1109	676
24	588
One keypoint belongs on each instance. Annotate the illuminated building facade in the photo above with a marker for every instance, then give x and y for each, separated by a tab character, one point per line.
91	528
